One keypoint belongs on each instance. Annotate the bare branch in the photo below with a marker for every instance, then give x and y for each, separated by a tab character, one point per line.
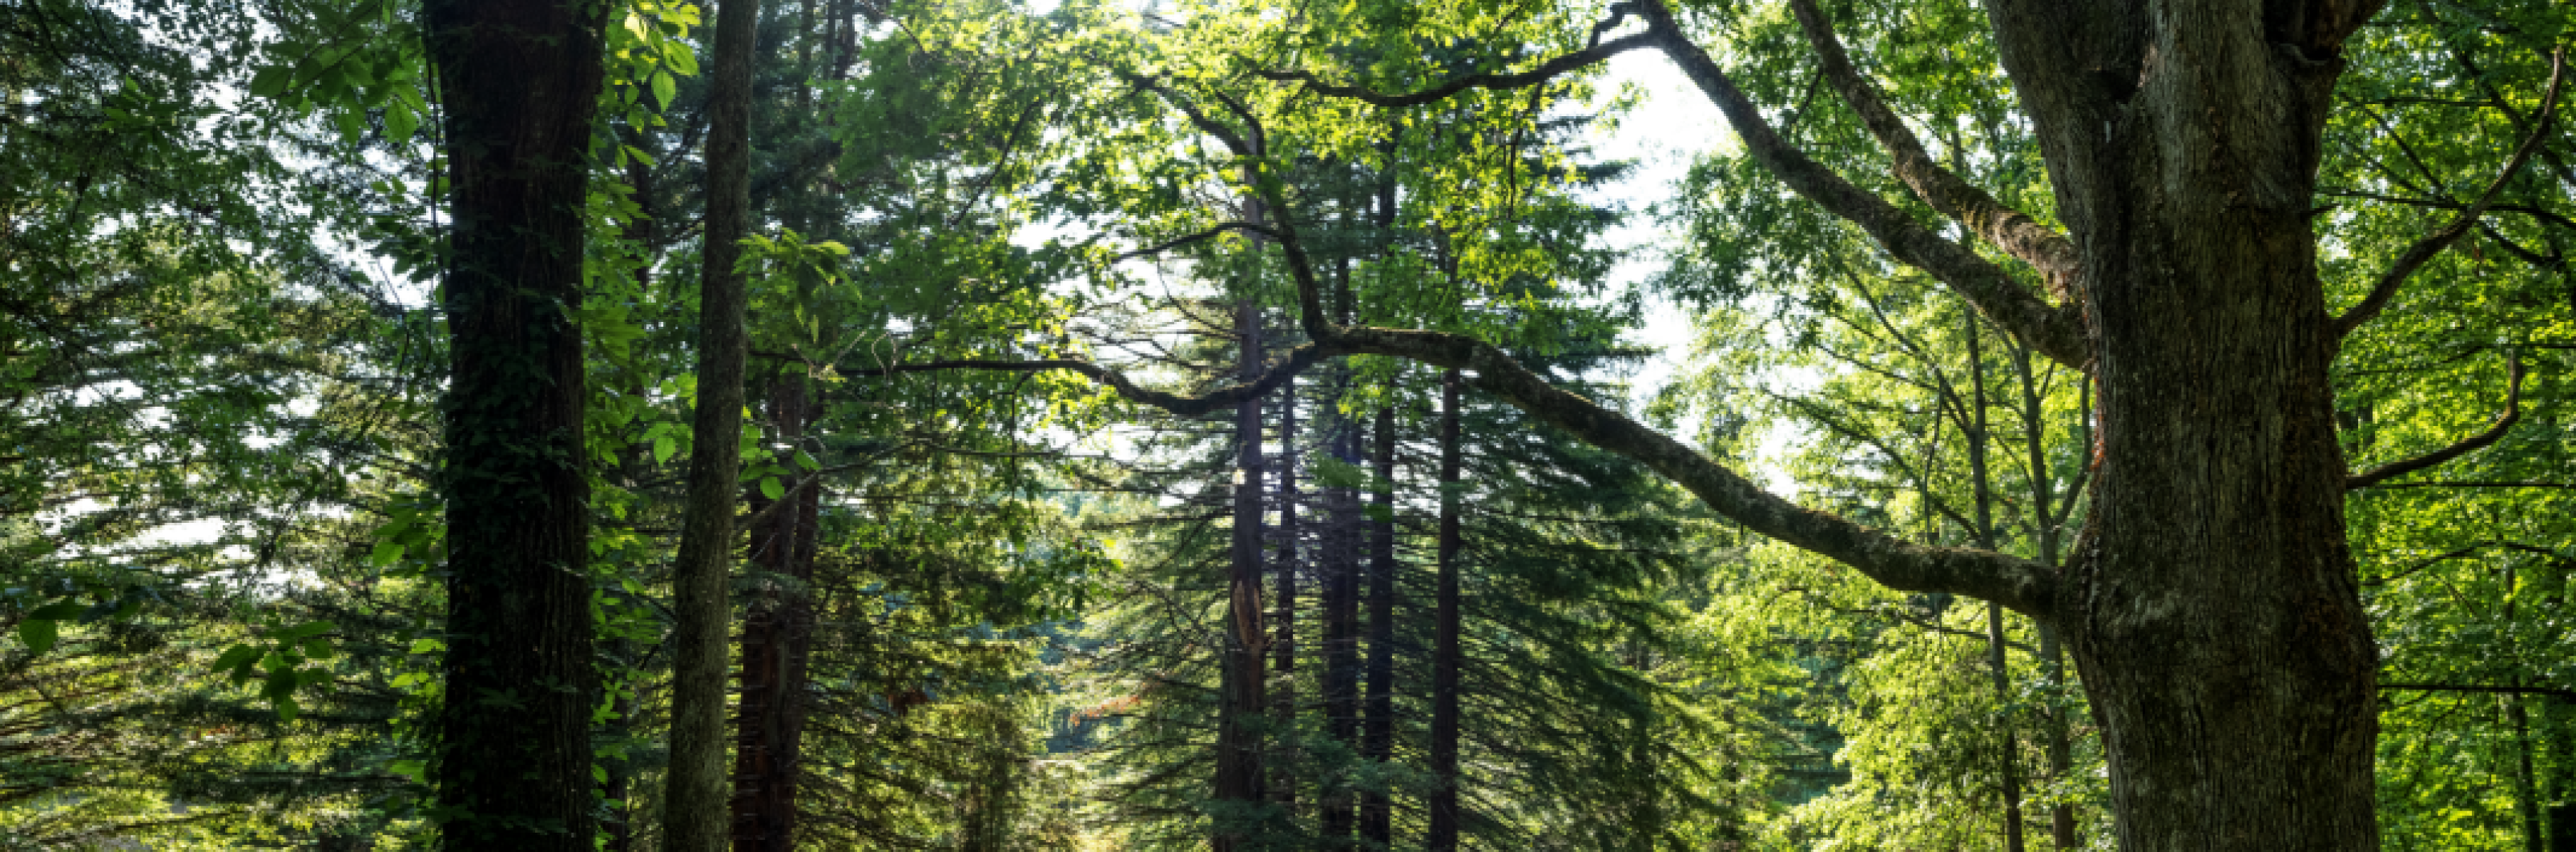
2057	332
2424	249
2011	230
2504	422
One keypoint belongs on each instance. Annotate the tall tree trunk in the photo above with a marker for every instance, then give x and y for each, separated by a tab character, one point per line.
1377	809
1980	439
1443	804
695	812
769	720
2215	616
520	82
1283	641
1340	574
2048	512
1238	760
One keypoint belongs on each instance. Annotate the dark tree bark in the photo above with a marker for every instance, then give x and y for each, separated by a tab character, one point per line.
1238	759
695	814
1443	804
520	83
1377	740
769	719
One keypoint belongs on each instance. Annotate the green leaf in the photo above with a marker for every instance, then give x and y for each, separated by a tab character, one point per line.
236	659
399	122
807	461
38	633
287	708
770	488
663	448
271	81
664	88
681	58
57	611
386	553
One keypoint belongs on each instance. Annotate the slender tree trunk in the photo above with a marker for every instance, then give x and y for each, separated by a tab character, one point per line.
520	82
1377	809
2048	512
1283	648
769	720
695	812
1340	545
1980	439
1238	763
1443	805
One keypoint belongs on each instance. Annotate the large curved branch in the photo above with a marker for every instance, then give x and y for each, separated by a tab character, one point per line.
2057	332
2423	250
2504	423
2011	230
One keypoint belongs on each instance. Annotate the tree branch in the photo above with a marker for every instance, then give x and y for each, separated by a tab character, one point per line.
2554	692
2424	249
1546	71
2054	331
1202	236
2504	422
2011	230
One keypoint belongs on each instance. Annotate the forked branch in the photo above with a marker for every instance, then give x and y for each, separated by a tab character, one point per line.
2503	423
2424	249
2054	331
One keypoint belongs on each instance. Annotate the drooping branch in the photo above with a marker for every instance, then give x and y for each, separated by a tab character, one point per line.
2423	250
2011	230
2054	331
2503	423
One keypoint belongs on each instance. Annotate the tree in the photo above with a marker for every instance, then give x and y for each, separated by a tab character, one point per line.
2212	607
520	82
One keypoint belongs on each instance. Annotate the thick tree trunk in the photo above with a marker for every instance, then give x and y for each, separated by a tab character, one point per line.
1443	804
520	81
1377	741
2213	613
1238	759
769	720
695	814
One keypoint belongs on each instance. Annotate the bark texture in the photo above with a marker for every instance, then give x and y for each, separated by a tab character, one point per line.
520	81
695	813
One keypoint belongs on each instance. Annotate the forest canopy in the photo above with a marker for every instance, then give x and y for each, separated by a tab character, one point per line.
987	425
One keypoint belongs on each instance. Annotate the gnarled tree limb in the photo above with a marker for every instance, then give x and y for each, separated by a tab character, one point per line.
1546	71
2013	231
2057	332
2424	249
